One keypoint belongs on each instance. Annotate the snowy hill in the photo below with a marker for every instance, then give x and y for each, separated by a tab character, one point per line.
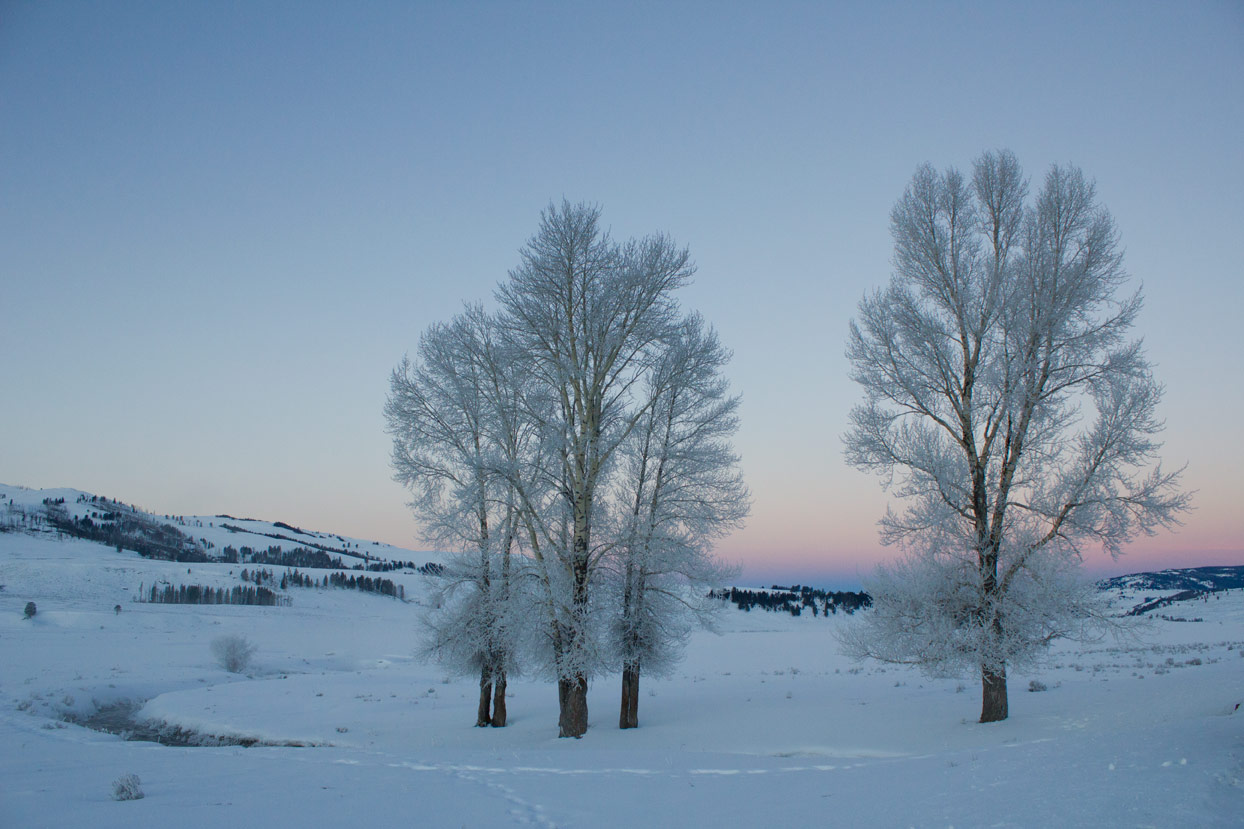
764	718
194	537
1206	579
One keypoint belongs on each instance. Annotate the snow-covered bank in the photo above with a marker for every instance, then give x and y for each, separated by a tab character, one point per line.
762	721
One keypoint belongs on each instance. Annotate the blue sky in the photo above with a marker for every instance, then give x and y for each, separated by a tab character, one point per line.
222	224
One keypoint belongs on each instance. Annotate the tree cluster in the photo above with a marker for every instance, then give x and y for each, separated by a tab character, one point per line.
573	447
390	566
297	557
365	584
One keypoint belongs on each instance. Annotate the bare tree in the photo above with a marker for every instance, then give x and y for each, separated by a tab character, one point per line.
1007	406
589	315
680	484
445	426
233	652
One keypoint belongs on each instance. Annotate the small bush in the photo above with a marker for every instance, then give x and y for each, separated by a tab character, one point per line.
31	610
233	652
1037	685
127	787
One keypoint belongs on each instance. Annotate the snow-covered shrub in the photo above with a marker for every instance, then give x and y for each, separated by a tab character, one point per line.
31	610
1037	685
127	787
233	652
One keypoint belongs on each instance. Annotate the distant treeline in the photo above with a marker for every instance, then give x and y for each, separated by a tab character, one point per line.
365	583
200	594
308	557
280	557
314	558
795	599
1181	596
296	578
374	564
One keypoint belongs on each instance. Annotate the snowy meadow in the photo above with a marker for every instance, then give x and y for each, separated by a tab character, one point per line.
334	717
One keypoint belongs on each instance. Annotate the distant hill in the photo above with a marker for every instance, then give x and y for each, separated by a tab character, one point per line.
193	538
1192	578
1156	590
1167	587
246	540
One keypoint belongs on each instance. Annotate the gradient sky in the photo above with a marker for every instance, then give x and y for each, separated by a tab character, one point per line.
223	223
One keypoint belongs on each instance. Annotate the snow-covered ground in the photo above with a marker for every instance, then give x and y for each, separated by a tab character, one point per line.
763	724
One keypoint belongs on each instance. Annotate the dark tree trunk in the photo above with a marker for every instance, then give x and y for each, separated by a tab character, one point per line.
482	717
993	683
498	700
572	694
993	695
572	690
630	696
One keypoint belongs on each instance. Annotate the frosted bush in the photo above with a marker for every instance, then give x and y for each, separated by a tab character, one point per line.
1037	685
127	787
233	652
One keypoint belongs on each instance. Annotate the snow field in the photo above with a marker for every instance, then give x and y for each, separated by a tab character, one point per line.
765	719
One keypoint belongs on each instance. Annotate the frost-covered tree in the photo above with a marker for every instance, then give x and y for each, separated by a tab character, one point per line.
591	316
1010	410
516	432
446	426
233	652
679	488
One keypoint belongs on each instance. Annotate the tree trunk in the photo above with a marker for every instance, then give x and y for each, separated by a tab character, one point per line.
572	696
630	696
482	717
993	695
498	700
572	690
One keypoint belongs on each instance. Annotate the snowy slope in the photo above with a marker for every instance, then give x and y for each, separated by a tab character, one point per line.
763	722
213	533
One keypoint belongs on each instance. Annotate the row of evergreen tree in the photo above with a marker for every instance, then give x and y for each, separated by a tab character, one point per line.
795	600
296	578
201	594
389	566
280	557
384	587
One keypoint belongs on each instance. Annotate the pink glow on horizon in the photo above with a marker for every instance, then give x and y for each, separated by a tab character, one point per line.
774	552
